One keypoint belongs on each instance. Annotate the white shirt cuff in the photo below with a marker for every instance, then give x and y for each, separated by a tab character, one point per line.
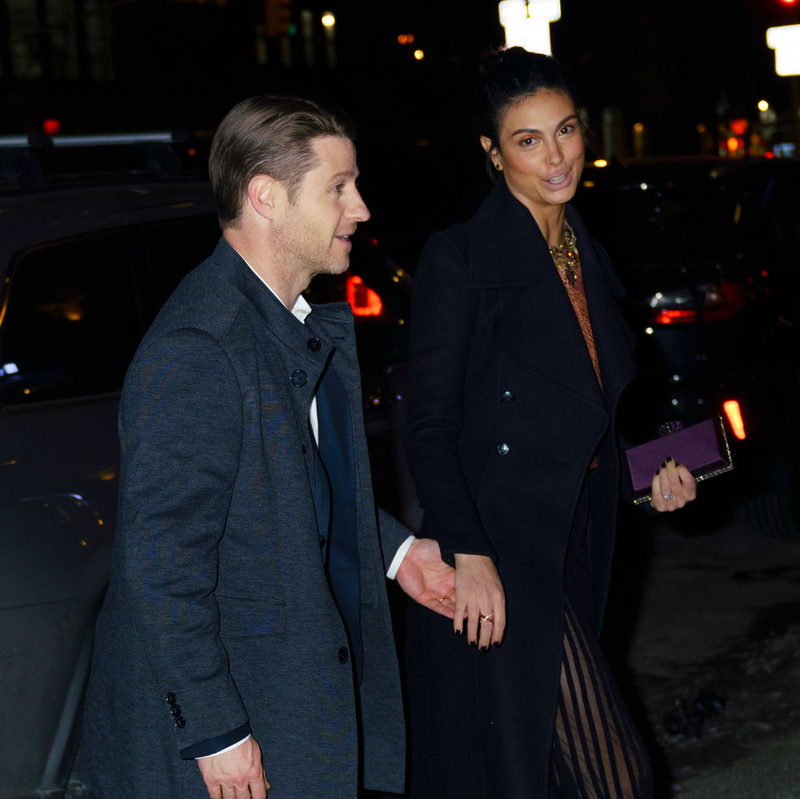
399	555
226	749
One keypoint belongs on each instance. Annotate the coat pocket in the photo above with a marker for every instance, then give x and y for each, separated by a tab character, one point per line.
244	617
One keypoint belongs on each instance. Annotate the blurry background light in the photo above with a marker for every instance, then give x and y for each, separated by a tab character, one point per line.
328	19
785	41
419	55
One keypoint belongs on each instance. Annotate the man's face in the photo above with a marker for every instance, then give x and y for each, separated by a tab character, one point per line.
315	232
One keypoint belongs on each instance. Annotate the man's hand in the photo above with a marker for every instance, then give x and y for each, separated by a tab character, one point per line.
235	774
426	578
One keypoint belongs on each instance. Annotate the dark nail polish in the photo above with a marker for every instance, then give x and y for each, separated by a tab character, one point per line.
655	473
484	649
677	463
459	632
664	465
669	460
473	644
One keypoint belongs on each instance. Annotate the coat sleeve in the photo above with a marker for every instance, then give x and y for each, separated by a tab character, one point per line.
181	431
440	334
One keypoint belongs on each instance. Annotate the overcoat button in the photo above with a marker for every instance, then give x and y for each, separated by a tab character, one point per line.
343	655
507	396
171	698
180	722
503	448
175	710
314	344
299	378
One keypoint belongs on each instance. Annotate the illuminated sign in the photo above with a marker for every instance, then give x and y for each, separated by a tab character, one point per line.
527	23
785	41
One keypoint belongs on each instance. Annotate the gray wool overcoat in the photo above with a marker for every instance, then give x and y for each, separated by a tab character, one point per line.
218	598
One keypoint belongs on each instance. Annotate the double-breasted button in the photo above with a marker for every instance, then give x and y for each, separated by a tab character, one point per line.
507	396
314	344
170	698
175	710
180	722
343	655
503	448
299	378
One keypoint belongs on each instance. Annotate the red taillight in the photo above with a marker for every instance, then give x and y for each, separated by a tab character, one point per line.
670	317
363	300
735	420
714	302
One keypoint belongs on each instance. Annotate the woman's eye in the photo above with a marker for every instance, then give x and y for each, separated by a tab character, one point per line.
339	188
528	141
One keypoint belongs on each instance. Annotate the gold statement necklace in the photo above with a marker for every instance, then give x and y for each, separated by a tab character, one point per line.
565	256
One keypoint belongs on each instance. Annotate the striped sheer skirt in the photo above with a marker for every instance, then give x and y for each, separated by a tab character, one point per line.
597	752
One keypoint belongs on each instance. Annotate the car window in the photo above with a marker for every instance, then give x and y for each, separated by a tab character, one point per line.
174	248
71	323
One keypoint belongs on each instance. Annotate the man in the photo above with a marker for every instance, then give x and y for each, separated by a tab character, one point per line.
245	641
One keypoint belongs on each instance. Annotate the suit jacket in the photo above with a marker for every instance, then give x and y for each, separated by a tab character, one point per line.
219	617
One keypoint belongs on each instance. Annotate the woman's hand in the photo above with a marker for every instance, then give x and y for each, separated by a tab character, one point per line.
480	600
673	486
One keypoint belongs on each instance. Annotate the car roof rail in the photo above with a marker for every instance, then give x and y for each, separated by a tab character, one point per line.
31	161
92	139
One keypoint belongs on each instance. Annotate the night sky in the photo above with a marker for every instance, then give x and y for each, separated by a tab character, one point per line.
670	65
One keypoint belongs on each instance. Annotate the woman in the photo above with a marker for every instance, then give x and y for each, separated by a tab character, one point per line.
518	358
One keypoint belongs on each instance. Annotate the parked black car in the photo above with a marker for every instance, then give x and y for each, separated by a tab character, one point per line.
709	251
88	253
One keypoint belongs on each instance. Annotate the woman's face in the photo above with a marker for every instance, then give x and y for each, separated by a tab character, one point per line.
540	150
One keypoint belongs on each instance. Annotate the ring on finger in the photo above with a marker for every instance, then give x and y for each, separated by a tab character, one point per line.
486	619
667	496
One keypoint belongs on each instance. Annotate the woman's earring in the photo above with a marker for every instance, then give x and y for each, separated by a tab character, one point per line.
497	166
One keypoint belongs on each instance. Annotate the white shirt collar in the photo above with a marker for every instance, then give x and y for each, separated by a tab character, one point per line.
301	308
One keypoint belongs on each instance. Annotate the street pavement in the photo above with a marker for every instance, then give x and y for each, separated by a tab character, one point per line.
703	608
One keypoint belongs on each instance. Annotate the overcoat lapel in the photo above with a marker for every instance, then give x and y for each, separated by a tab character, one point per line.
612	336
537	327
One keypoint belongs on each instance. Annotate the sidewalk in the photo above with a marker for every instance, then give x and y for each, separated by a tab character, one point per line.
718	609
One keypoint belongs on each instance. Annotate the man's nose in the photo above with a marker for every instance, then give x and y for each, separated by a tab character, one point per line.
358	210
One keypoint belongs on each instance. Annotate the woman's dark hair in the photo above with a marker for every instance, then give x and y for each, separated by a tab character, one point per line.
508	76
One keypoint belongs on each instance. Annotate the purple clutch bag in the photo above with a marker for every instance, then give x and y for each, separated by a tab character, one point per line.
702	448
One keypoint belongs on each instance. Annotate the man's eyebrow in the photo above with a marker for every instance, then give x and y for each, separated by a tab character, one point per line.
343	175
535	130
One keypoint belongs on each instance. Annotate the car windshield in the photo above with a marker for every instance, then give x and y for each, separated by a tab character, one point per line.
648	226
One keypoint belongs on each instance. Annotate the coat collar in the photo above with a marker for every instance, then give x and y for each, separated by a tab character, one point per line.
507	249
331	323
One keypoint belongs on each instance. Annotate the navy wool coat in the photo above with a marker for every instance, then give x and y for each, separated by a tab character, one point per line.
505	416
218	598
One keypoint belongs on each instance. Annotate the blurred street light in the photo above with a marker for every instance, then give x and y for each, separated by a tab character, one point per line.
763	105
419	55
785	41
329	25
527	23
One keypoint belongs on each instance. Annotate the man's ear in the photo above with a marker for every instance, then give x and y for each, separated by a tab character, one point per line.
264	195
